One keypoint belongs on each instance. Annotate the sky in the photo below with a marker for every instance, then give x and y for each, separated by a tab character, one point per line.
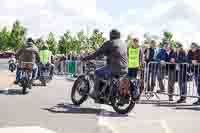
182	17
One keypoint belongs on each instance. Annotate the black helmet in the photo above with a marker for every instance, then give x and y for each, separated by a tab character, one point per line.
114	34
29	42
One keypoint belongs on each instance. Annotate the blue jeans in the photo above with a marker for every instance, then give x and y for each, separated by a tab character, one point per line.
197	82
103	72
34	75
136	88
132	72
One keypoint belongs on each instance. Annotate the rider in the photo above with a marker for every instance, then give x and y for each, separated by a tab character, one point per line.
12	59
116	52
27	54
45	58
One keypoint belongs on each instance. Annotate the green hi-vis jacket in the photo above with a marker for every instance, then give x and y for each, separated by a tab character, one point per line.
133	58
45	56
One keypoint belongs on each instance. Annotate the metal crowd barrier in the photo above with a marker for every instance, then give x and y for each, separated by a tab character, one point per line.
180	79
74	68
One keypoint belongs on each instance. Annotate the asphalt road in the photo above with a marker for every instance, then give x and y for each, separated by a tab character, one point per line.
49	110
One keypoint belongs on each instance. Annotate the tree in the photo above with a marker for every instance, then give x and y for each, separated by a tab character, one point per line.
64	43
52	43
129	40
18	35
5	39
96	39
82	40
39	42
168	37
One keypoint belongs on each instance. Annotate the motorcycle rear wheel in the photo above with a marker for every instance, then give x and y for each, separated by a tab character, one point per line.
24	87
116	104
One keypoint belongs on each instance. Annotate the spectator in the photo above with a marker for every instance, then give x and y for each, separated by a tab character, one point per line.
194	58
150	67
166	55
180	57
134	54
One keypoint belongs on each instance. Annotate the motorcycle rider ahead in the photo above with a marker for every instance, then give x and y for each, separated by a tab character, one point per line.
29	53
12	61
46	57
117	61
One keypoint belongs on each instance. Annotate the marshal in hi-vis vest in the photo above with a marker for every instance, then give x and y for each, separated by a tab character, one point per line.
133	58
45	56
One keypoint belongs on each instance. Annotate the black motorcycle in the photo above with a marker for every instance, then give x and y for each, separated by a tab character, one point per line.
12	66
44	74
109	92
26	76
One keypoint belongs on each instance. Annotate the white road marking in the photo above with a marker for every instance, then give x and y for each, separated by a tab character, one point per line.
102	122
165	126
32	129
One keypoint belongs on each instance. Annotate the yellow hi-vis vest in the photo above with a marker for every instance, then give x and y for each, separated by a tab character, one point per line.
133	57
45	56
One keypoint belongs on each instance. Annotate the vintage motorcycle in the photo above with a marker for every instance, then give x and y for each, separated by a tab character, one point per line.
12	65
115	91
44	74
26	76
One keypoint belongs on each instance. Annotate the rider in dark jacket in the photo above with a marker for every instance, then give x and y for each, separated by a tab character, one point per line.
27	54
116	52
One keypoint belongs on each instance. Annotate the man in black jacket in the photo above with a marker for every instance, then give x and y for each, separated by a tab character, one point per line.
150	67
116	52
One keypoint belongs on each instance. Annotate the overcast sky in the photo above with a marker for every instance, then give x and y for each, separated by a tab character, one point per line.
43	16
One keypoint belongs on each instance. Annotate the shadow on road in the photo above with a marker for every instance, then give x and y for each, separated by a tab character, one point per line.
72	109
11	92
153	102
188	108
174	105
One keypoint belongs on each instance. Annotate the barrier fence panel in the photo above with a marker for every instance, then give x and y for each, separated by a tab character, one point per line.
180	79
76	68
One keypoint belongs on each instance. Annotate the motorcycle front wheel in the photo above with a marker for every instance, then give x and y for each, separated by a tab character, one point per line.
80	87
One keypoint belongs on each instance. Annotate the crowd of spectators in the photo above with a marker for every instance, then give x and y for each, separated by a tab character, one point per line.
166	59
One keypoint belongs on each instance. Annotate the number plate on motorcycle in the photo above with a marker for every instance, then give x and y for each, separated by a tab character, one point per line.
45	74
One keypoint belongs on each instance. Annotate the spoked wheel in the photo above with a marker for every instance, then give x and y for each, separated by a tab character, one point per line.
79	91
122	104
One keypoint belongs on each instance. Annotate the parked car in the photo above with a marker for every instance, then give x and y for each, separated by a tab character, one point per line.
6	55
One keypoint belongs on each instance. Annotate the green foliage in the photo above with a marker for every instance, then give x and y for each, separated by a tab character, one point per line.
39	42
52	43
4	39
17	36
168	37
96	39
129	40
